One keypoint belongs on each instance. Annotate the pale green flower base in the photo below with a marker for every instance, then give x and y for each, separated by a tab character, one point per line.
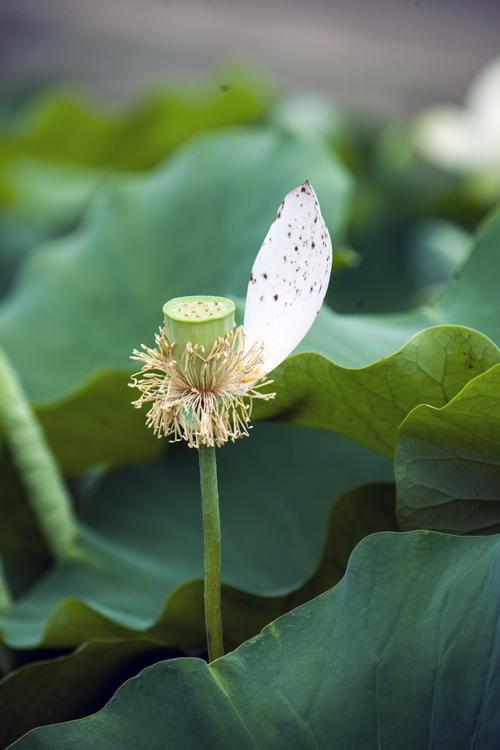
200	320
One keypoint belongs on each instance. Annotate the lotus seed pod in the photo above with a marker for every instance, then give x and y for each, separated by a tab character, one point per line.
200	320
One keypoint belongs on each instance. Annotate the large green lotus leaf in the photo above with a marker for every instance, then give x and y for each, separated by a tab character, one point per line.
97	425
142	539
135	137
47	179
447	462
50	178
75	685
51	197
471	298
16	241
369	403
68	687
390	657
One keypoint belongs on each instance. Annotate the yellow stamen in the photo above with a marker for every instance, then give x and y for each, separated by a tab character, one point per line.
207	405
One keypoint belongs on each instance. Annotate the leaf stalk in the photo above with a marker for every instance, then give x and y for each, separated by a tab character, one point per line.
37	467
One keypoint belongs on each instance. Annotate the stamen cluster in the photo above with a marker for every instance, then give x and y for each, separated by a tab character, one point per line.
204	400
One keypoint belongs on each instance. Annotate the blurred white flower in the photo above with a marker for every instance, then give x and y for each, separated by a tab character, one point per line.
466	139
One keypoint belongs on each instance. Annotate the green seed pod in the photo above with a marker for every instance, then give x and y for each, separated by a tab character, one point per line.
200	320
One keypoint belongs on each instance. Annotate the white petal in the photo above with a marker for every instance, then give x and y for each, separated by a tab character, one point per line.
289	278
483	96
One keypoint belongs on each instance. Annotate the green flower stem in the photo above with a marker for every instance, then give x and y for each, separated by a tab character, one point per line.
212	551
5	596
47	495
199	321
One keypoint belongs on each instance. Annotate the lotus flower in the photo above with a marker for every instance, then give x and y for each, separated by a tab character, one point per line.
203	375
